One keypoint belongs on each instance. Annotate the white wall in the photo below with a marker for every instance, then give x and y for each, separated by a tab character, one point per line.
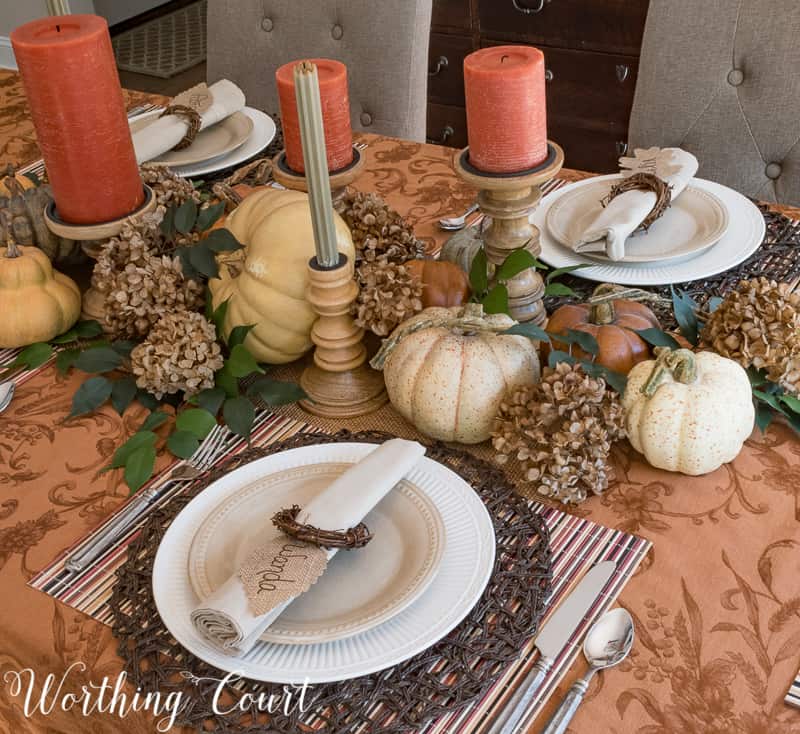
15	13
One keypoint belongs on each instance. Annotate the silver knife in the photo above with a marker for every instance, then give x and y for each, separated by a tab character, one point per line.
551	640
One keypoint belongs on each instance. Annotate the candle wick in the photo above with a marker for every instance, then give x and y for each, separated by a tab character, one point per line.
503	58
58	28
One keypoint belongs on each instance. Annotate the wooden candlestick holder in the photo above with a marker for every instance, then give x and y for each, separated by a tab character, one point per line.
340	179
509	199
91	237
338	384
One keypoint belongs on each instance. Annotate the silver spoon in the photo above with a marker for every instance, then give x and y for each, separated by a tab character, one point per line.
455	223
6	393
607	643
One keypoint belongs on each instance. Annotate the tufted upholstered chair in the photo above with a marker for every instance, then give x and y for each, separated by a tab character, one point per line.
721	78
384	44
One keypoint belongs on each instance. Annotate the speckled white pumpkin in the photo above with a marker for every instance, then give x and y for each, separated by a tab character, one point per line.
448	381
688	418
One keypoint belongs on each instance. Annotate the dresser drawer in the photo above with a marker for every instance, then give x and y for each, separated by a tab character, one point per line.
447	125
591	86
451	14
588	148
601	25
446	68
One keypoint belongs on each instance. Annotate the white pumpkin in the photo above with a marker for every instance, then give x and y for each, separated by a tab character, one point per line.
447	370
688	412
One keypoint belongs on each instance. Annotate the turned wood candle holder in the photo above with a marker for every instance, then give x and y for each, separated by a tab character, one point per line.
338	384
509	199
340	179
91	236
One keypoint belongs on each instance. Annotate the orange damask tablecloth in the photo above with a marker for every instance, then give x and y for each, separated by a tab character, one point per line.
717	601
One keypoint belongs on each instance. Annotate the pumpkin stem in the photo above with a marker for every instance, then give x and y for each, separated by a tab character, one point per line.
11	245
680	363
470	318
602	301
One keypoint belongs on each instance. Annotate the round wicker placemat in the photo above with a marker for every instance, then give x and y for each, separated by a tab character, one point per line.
455	671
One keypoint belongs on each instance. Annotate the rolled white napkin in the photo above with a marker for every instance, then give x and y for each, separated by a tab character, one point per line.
226	619
166	132
624	214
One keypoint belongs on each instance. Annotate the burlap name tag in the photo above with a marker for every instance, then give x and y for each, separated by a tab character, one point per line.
280	570
198	97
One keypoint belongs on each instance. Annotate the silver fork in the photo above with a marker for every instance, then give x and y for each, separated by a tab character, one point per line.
201	460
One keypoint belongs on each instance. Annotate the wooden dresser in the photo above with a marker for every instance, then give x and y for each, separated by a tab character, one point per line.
591	50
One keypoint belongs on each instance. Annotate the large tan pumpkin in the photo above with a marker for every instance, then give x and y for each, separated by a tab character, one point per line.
37	303
448	369
266	284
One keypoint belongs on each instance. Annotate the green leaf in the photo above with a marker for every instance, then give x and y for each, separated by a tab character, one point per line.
168	223
558	272
139	467
183	444
530	330
276	392
196	421
154	420
556	356
478	274
98	359
210	399
496	300
657	338
238	334
144	398
135	442
218	315
189	271
614	380
186	216
225	380
208	215
685	307
122	393
203	261
123	347
33	356
764	416
757	377
239	415
558	289
713	303
241	363
515	263
65	359
791	402
222	240
584	340
90	396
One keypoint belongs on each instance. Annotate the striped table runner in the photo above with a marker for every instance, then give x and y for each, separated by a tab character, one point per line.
577	544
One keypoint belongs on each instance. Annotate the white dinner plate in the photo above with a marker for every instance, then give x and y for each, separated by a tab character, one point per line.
745	233
465	568
260	137
213	142
358	590
695	221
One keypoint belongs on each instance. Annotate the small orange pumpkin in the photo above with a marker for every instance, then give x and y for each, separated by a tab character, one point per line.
443	283
612	323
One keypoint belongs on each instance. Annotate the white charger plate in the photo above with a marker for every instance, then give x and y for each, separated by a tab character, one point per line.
745	233
358	590
262	134
695	221
465	569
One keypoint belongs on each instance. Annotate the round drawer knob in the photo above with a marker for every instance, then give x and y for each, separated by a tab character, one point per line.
366	119
735	77
774	170
337	32
267	25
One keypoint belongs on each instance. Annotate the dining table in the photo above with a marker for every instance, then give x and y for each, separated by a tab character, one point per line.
716	601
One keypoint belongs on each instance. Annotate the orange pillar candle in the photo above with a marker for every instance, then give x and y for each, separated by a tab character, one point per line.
335	114
506	113
70	78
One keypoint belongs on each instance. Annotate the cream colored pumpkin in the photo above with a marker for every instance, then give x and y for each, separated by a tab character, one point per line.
688	412
268	288
37	303
447	370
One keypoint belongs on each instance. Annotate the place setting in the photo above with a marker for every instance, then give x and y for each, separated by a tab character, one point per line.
374	436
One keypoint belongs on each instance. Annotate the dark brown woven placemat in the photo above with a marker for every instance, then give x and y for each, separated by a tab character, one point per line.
777	259
467	661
